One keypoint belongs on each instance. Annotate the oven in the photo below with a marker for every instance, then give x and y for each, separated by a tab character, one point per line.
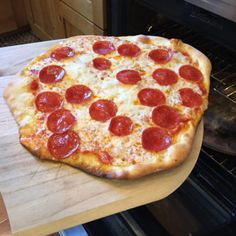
206	203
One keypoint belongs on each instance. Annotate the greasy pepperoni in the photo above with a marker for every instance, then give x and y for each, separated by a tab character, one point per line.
48	101
101	63
105	158
161	56
103	47
155	139
151	97
63	145
166	117
190	98
60	121
77	94
102	110
121	126
129	50
51	74
165	76
190	73
34	85
128	76
62	53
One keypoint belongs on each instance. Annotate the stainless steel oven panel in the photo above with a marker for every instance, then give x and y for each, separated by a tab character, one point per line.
224	8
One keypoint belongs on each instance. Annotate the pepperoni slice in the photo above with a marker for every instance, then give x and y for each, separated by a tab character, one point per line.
51	74
48	101
190	73
105	158
161	56
63	145
190	98
155	139
129	50
101	63
102	110
103	47
151	97
128	76
62	53
78	93
121	126
166	117
165	76
60	121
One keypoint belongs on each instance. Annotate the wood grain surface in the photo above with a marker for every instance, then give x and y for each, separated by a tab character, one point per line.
14	58
43	197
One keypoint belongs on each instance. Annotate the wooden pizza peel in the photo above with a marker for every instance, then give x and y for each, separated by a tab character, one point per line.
43	197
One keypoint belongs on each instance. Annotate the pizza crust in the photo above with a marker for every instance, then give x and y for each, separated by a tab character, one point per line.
89	162
176	155
199	59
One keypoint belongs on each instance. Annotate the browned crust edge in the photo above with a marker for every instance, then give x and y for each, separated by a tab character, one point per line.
198	58
88	161
177	154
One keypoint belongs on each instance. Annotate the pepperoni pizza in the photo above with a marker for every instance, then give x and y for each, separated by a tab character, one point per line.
118	107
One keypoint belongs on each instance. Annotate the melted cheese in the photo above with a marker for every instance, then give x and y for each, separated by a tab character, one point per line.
80	70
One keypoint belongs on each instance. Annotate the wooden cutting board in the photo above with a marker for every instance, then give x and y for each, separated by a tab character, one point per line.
43	197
